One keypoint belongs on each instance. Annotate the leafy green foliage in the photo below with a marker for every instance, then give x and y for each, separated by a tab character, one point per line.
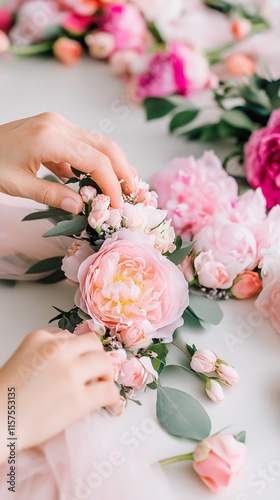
51	213
241	437
181	415
161	351
182	118
50	264
183	250
68	228
205	310
157	107
67	320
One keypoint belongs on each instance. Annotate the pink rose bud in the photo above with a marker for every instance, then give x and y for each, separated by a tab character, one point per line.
121	61
67	51
115	218
217	460
100	44
227	373
187	268
204	361
240	28
239	65
133	374
4	42
88	193
90	326
246	285
214	390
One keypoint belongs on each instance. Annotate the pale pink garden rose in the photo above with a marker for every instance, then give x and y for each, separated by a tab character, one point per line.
127	26
179	69
137	373
227	373
90	326
115	218
231	244
128	282
193	190
214	390
76	254
100	44
204	361
269	299
246	285
133	338
211	273
88	193
267	233
67	51
217	460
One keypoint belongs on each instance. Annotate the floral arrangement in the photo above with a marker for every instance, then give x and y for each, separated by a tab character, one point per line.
126	265
140	39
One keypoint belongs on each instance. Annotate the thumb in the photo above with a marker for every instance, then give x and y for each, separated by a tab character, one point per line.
50	193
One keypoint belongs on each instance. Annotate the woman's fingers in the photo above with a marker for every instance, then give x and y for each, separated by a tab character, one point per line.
105	393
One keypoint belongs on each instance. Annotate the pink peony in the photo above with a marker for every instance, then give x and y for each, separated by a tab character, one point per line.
76	23
204	361
231	243
193	190
67	51
262	163
269	299
177	70
129	283
76	254
127	26
246	285
267	232
217	459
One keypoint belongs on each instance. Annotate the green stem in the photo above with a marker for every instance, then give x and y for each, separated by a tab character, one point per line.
177	458
31	49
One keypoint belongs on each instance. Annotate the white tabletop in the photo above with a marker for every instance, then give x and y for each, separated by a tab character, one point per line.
87	94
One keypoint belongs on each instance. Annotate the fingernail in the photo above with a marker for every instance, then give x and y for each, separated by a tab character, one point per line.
70	205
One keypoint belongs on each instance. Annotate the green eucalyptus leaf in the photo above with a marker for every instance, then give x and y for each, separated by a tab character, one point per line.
206	309
181	415
241	437
238	119
190	319
183	118
51	213
68	228
157	107
179	255
50	264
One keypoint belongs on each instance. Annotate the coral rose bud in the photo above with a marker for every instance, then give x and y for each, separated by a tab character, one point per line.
227	373
204	361
67	51
100	44
246	285
4	42
240	64
240	28
214	390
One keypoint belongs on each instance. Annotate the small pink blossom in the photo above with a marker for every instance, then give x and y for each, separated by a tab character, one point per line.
88	193
227	373
240	28
214	390
99	211
204	361
217	460
246	285
67	51
100	44
136	373
193	190
115	218
210	273
90	326
76	254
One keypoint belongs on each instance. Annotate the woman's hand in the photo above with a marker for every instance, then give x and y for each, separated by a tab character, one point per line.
51	140
59	378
